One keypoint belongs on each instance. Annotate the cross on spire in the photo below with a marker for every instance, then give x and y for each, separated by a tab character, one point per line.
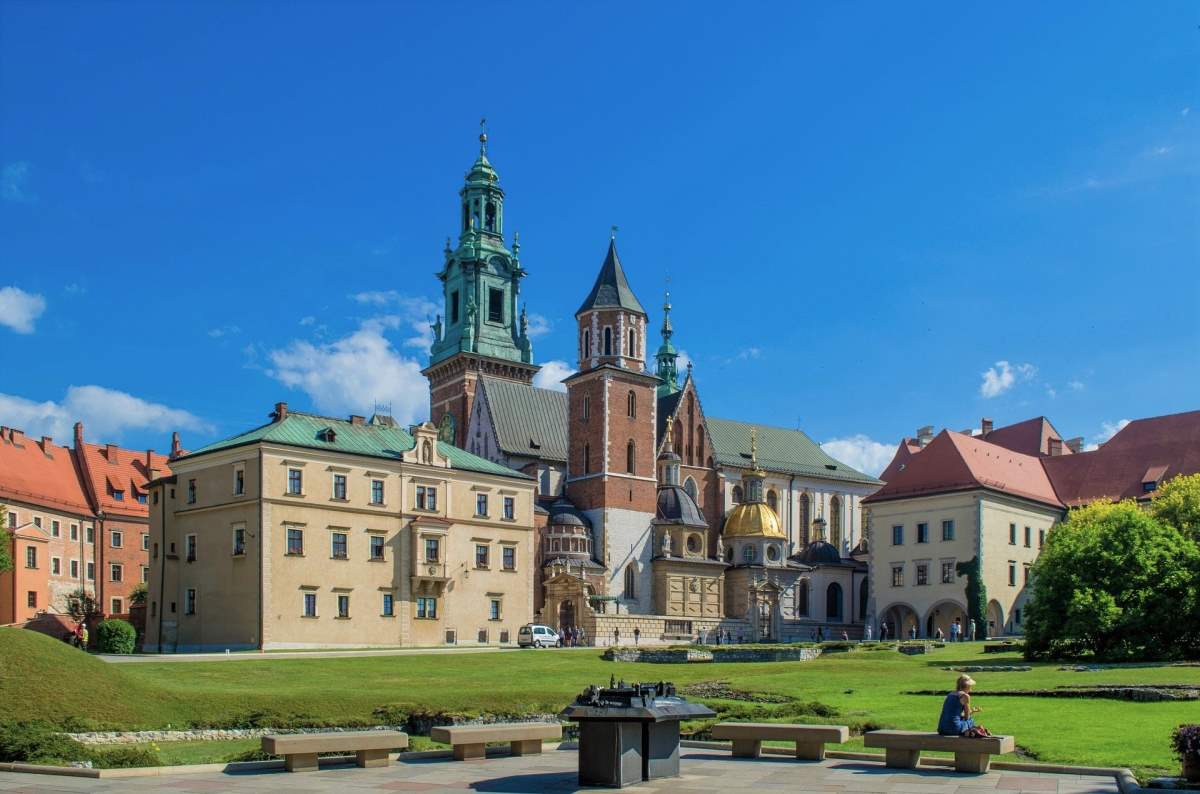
613	234
483	136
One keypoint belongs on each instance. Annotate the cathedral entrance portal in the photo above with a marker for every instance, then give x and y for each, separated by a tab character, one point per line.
566	615
764	622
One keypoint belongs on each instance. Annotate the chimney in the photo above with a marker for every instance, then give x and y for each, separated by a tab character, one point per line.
355	419
280	412
16	436
149	461
1055	447
110	453
985	425
3	432
176	449
78	436
1075	444
47	442
925	435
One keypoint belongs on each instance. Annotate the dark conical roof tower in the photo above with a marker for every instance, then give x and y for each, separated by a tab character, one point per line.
611	290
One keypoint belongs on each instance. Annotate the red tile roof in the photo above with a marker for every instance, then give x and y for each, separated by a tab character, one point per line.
1161	447
42	476
957	462
1032	437
904	453
127	471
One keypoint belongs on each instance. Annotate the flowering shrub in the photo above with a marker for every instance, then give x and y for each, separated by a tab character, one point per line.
1186	742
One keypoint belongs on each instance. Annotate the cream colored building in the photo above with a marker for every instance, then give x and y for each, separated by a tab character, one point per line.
316	532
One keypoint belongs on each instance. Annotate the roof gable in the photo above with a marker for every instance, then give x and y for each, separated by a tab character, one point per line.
28	474
1031	437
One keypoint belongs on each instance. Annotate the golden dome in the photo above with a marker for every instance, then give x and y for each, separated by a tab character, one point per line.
752	520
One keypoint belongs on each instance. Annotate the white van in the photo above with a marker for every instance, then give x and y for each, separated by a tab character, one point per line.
534	635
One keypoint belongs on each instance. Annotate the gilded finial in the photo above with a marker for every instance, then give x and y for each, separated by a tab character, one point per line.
483	137
754	447
670	431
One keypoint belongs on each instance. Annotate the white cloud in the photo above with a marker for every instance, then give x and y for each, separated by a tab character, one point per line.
308	320
1160	151
14	179
20	309
224	330
1001	377
861	452
376	297
538	326
1185	111
1107	431
415	313
106	415
1051	392
353	373
1076	385
682	362
551	373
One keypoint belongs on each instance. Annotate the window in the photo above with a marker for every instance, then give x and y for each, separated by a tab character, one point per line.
587	407
427	608
55	566
510	508
423	497
630	456
1028	537
947	530
922	533
481	505
141	497
189	602
481	555
30	556
897	535
1026	574
509	554
376	492
389	606
377	547
90	533
154	553
338	550
633	351
631	581
608	341
1012	534
37	521
191	499
1017	616
689	485
343	606
116	572
91	571
116	538
454	304
12	521
239	481
1012	573
494	609
189	548
737	494
1041	538
145	574
74	532
74	569
310	605
947	573
295	541
145	542
922	573
772	500
802	597
631	405
431	549
339	486
495	305
587	458
117	606
897	576
295	482
31	599
55	529
118	495
748	554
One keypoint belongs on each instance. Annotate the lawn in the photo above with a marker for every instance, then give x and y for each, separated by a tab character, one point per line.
42	678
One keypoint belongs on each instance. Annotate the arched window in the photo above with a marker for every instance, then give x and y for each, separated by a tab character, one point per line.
631	457
489	221
805	518
631	580
802	597
587	407
833	602
608	341
737	494
773	500
700	444
862	599
835	521
587	458
632	344
689	485
631	408
587	344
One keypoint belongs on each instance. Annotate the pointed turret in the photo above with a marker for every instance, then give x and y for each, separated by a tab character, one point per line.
667	357
611	290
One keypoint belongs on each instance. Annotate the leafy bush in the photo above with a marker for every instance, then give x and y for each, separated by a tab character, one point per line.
1115	582
125	758
1177	503
37	742
139	594
115	636
1185	741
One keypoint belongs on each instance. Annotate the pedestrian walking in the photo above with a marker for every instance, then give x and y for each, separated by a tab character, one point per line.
867	635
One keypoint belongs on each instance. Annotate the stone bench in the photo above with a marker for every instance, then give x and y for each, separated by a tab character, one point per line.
299	750
903	748
810	740
470	741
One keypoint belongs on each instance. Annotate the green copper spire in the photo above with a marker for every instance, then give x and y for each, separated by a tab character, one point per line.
668	371
481	278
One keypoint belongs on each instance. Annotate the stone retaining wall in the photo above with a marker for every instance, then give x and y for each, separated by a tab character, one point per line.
726	653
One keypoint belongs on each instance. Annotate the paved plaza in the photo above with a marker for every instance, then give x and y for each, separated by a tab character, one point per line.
703	771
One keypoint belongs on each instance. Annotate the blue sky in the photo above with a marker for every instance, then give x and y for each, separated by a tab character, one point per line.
873	217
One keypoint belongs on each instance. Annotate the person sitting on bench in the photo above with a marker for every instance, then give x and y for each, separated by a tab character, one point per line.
957	710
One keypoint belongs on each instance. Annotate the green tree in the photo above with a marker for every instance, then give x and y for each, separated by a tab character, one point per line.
115	636
6	560
1178	503
81	605
1116	582
139	594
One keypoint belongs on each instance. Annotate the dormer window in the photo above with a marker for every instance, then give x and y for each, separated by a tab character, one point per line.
118	496
1152	478
327	435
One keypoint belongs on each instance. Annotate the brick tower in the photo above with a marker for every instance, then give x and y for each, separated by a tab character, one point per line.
482	333
611	449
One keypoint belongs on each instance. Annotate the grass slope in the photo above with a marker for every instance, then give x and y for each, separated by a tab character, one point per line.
863	686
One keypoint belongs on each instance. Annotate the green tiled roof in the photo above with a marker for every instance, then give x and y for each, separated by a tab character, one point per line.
529	421
372	440
789	451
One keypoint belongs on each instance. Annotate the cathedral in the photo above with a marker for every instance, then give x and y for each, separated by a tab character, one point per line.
656	522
